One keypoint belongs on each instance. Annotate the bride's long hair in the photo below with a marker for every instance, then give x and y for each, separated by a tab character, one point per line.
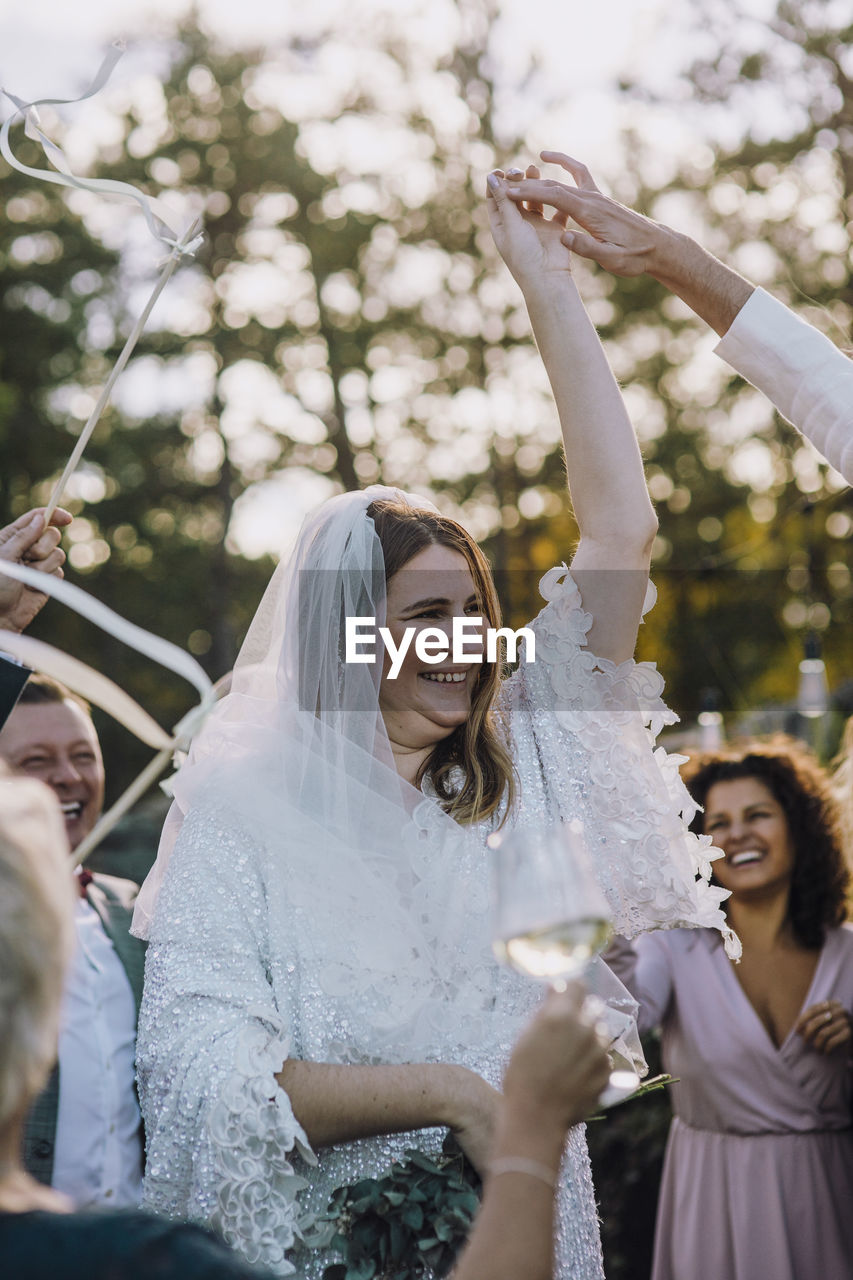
476	749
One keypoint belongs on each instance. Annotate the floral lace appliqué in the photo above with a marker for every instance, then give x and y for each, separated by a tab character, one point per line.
252	1128
654	871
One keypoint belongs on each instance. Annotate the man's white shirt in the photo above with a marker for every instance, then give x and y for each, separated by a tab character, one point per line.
800	371
98	1150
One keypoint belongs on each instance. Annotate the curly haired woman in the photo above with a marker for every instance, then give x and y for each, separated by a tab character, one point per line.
758	1176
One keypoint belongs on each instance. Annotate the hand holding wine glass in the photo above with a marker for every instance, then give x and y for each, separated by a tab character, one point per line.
550	917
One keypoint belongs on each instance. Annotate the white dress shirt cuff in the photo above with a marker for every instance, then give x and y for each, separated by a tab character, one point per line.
805	375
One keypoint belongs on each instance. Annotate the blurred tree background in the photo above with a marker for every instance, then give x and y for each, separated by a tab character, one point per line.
760	555
347	321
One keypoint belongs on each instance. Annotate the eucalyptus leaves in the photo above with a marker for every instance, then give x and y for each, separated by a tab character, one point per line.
413	1221
409	1223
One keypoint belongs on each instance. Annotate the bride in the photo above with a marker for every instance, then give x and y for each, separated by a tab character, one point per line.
320	992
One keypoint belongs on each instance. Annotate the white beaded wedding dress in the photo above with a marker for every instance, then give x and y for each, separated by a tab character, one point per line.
314	905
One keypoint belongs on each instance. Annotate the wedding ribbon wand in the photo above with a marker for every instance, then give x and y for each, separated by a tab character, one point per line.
101	691
161	222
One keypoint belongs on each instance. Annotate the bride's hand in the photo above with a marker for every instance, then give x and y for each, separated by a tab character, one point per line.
528	242
472	1111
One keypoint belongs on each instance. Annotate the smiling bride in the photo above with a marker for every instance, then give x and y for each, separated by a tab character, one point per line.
320	991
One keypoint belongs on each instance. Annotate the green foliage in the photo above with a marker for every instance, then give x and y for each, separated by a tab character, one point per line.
347	321
652	1084
391	346
410	1222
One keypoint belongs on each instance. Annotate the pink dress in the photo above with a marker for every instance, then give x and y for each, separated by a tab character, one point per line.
758	1175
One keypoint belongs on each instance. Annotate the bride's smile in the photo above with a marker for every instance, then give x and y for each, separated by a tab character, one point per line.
427	701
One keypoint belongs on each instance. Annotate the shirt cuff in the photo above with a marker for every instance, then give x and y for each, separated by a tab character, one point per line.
770	346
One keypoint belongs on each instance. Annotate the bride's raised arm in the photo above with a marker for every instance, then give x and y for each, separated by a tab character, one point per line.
605	471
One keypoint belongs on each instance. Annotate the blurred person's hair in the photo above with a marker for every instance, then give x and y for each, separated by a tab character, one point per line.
36	937
787	768
40	689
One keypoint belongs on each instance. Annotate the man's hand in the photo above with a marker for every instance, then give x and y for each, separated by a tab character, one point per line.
627	244
26	541
620	240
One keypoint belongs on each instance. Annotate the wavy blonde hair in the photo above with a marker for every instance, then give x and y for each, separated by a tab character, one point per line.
476	749
36	937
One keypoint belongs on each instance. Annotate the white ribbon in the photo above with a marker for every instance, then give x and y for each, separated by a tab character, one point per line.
155	211
101	691
90	684
161	222
86	433
162	651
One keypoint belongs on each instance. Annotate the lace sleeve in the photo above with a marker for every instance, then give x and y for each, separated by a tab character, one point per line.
211	1035
584	730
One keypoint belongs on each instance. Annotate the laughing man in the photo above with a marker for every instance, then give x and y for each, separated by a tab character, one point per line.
84	1133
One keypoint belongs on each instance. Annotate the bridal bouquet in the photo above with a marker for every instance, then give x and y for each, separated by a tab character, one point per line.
414	1219
411	1221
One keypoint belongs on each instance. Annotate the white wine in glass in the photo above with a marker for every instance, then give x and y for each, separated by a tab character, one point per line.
549	916
556	952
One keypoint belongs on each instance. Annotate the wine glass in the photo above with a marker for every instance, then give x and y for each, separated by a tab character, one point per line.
549	916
